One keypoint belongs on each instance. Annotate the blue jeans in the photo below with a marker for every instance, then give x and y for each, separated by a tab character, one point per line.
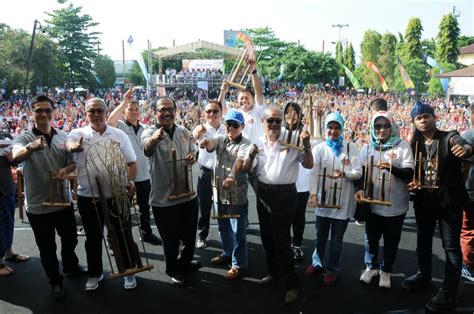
7	222
204	191
338	228
233	233
391	229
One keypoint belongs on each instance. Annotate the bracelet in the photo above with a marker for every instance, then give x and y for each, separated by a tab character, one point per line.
254	71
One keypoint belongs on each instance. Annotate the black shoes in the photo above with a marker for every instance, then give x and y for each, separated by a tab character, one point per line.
59	292
151	238
267	281
77	271
442	302
416	281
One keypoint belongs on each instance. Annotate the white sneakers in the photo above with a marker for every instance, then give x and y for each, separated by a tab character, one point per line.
368	275
93	282
129	282
384	281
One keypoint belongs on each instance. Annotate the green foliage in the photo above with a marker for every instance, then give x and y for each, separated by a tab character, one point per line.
387	57
464	41
434	85
429	47
370	49
105	71
413	32
72	32
447	49
136	76
349	57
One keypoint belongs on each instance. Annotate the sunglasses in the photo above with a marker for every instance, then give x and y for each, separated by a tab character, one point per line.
232	124
40	111
273	121
167	109
94	111
384	126
213	111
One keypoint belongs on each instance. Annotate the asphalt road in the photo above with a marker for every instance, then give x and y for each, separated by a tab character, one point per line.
28	290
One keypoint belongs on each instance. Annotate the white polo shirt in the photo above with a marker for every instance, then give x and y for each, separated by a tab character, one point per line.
277	164
87	187
206	159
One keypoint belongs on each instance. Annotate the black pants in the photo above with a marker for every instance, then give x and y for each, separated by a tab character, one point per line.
276	208
44	228
121	232
450	229
204	190
143	189
299	220
178	223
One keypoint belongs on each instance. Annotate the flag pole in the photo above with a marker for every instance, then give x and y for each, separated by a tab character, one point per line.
123	63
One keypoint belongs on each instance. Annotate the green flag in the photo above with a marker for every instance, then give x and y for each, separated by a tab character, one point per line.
351	77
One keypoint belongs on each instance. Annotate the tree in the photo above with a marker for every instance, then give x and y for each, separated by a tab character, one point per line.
387	57
339	53
417	70
104	71
135	75
447	49
309	67
464	41
413	32
72	32
370	51
349	57
46	63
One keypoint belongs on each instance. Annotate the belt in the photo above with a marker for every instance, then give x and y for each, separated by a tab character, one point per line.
205	169
276	186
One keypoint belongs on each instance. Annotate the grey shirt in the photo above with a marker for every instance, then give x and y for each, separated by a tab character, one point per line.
163	178
469	137
227	152
38	168
143	171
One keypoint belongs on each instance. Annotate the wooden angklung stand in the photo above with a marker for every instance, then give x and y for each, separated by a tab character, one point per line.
180	176
426	167
374	192
329	187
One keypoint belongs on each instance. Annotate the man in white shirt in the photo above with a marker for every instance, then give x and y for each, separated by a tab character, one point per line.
276	168
79	141
212	127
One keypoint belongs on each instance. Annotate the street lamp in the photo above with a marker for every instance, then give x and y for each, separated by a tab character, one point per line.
28	65
340	26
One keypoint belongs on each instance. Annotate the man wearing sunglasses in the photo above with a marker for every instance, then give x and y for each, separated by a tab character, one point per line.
211	127
277	169
79	141
134	130
42	151
177	217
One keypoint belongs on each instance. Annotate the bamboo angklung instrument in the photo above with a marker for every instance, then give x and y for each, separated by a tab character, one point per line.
323	191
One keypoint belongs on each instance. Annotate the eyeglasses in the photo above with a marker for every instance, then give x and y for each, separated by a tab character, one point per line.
232	124
94	111
165	109
384	126
273	121
213	111
45	110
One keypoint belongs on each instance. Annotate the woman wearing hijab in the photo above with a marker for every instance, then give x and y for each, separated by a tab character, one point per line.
388	150
339	160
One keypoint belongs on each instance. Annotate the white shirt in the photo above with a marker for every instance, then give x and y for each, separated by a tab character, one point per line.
400	156
302	183
206	159
323	157
253	122
87	186
276	164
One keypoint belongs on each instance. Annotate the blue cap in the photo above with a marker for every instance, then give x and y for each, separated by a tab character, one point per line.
234	115
421	108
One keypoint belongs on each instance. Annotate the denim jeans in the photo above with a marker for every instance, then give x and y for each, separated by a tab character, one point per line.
7	222
233	233
338	228
204	191
450	231
391	229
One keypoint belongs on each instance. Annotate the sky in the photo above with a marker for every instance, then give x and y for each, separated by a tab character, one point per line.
309	22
